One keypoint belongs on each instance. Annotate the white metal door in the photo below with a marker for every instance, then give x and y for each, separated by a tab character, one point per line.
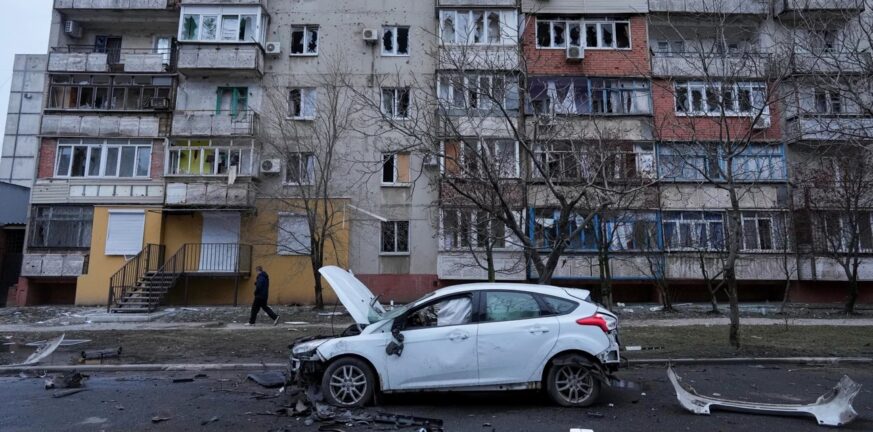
219	251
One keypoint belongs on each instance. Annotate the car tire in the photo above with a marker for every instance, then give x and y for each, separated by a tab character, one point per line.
349	383
572	381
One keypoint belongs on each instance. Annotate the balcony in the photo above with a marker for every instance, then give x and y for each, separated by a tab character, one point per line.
104	125
475	3
691	65
53	265
797	8
88	58
473	57
119	10
238	59
210	161
214	123
203	193
835	62
829	128
757	7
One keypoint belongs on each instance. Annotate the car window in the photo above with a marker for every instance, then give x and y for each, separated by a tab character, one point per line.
560	306
451	311
508	306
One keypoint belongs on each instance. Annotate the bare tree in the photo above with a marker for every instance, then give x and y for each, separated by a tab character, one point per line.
306	127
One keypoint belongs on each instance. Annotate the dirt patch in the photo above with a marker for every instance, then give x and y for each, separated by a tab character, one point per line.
764	310
755	341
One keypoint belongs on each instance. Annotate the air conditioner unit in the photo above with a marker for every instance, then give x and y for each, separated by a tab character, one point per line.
160	103
73	29
274	48
575	53
370	35
271	166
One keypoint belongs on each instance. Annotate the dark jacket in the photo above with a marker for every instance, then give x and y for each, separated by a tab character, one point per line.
262	286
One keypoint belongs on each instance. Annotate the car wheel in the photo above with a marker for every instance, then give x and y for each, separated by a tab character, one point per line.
348	382
572	381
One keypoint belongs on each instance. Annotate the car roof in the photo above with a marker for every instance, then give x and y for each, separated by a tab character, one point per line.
505	286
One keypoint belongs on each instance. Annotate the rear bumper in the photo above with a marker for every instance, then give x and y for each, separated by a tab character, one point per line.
611	356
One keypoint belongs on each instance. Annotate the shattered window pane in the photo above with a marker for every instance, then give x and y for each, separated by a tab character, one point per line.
452	311
622	35
447	25
312	43
479	27
558	34
544	34
403	40
493	28
388	40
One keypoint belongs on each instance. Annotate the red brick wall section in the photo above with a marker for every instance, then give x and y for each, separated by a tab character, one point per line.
634	62
157	159
401	288
669	126
47	151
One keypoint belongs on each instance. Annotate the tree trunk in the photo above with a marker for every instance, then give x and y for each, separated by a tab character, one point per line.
852	299
317	262
605	281
785	296
734	337
489	256
713	300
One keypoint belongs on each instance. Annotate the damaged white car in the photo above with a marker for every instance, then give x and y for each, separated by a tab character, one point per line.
473	337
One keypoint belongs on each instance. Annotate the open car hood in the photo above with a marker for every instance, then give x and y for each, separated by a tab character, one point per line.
354	295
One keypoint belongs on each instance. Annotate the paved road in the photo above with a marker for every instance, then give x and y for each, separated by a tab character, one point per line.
124	402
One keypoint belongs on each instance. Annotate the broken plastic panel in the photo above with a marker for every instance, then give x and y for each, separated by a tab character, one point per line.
833	408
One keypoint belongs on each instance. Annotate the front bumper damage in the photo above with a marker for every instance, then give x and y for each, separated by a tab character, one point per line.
833	408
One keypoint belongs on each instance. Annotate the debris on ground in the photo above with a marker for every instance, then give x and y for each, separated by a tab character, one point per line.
42	352
100	354
269	379
72	379
159	419
66	342
206	422
833	408
400	421
67	393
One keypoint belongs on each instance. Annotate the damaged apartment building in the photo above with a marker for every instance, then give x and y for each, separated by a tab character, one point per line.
175	145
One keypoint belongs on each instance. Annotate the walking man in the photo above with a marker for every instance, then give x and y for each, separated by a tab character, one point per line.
262	292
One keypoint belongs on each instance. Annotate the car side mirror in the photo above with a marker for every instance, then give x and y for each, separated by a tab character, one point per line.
395	347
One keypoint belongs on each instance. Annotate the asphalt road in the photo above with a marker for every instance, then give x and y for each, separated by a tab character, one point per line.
128	402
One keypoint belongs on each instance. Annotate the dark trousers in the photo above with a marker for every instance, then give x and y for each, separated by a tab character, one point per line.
257	305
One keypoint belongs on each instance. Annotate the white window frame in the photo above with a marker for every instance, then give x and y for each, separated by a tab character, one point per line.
753	218
307	29
395	252
510	91
259	21
104	146
567	24
395	109
306	165
449	239
308	96
755	89
599	25
130	250
395	38
676	217
395	175
283	234
508	23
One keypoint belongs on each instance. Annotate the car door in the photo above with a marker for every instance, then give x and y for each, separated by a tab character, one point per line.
439	346
515	334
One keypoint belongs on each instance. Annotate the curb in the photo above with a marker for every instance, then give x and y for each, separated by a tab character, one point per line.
146	367
754	360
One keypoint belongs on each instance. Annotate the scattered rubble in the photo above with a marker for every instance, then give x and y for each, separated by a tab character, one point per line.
100	354
72	379
269	379
67	393
42	352
833	408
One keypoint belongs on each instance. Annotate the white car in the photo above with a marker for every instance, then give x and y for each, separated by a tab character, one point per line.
476	337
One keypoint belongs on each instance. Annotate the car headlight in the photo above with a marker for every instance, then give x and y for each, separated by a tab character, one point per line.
302	349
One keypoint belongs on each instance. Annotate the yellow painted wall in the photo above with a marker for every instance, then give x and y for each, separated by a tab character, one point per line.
93	288
291	278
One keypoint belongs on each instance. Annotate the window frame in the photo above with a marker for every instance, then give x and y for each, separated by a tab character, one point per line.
451	240
678	218
220	15
305	164
308	95
396	242
395	38
307	30
690	87
104	146
398	93
84	221
396	174
582	25
473	315
283	250
508	32
482	312
118	90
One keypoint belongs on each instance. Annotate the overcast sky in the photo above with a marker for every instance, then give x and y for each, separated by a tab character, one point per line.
24	29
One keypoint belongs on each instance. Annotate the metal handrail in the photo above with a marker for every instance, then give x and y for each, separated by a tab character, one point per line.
147	260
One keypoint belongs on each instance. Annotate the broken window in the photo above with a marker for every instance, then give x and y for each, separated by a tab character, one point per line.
607	34
301	103
492	27
445	312
395	102
304	40
217	23
293	237
693	230
395	41
395	237
559	33
632	231
478	91
63	227
104	92
299	168
100	158
232	100
761	231
616	96
204	157
395	168
740	99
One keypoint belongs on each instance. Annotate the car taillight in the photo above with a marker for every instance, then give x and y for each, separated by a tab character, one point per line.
594	320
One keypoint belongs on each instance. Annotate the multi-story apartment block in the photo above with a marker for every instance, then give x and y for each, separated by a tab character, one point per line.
177	144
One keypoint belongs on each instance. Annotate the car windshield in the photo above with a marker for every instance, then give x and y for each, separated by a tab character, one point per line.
396	312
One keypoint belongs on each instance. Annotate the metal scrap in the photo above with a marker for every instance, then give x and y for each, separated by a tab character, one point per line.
833	408
67	392
269	379
66	380
100	354
400	420
66	342
42	352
